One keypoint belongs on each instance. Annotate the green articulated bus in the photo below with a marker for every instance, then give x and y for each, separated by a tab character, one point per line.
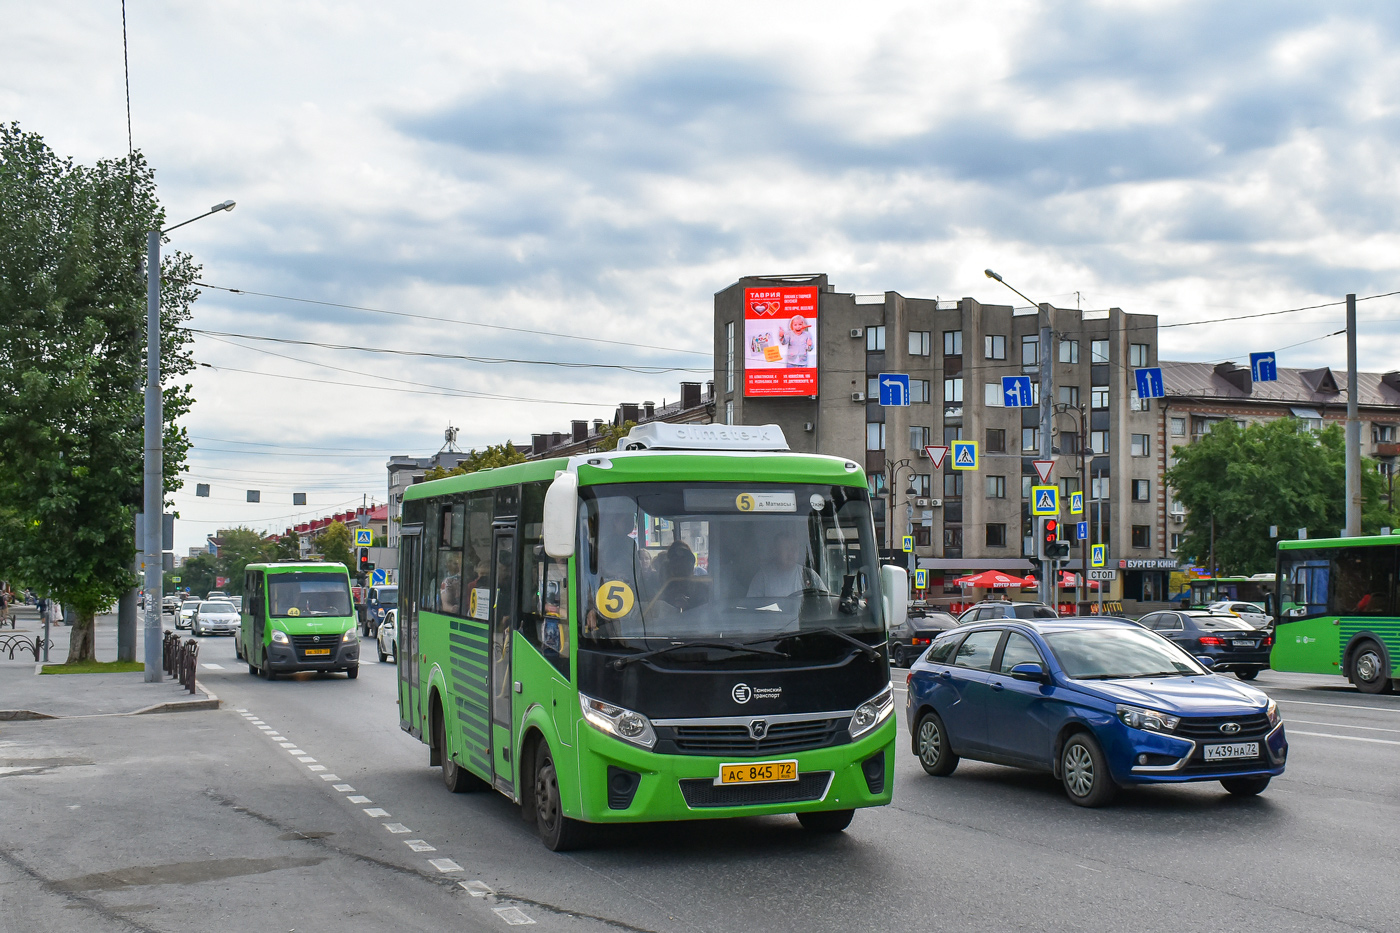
1338	609
298	617
692	626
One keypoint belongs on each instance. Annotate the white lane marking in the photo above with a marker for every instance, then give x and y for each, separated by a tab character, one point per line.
418	845
1374	709
357	798
257	722
444	864
396	828
330	777
241	710
295	751
212	667
306	759
344	788
1342	725
513	916
288	744
376	812
267	729
315	767
1349	738
476	888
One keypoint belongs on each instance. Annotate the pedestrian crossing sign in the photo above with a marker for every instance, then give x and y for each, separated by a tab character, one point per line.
964	455
920	579
1076	503
1096	555
908	543
1045	500
364	537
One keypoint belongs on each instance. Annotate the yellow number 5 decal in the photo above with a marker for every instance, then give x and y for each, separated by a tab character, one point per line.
615	599
744	502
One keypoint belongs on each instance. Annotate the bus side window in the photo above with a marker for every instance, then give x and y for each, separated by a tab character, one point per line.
544	585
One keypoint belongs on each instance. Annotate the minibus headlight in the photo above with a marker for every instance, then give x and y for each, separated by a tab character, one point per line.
617	721
350	635
1149	719
872	712
280	638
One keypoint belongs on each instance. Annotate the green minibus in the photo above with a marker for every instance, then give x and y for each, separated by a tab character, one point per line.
693	626
298	617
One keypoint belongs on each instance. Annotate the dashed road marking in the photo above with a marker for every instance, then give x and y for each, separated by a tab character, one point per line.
213	667
513	916
1374	709
288	744
444	864
396	828
344	788
376	812
1349	738
330	777
316	768
476	888
1342	725
418	845
306	759
359	798
295	751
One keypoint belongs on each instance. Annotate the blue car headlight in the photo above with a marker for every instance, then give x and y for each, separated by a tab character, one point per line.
1135	717
1272	712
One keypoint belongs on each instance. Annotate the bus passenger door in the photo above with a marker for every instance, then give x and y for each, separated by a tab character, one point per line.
410	564
503	610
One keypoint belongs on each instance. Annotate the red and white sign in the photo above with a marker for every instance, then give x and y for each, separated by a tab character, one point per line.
936	454
780	341
1043	468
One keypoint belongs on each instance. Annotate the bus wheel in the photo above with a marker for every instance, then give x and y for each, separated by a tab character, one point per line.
252	671
826	821
455	778
559	833
353	671
1368	669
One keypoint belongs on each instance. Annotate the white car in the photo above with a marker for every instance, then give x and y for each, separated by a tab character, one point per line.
186	614
215	616
388	636
1253	613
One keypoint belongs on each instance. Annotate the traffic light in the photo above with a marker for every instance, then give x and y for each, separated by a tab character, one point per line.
1051	547
363	563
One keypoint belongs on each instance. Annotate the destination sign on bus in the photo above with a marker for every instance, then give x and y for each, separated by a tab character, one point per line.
780	341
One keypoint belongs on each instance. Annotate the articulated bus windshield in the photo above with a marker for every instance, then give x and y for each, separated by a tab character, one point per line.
725	561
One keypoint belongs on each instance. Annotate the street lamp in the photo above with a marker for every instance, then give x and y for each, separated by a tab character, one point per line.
155	448
892	471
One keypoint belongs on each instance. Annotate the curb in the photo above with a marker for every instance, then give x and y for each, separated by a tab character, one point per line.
210	701
16	715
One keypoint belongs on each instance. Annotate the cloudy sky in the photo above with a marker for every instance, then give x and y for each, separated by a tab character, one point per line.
542	173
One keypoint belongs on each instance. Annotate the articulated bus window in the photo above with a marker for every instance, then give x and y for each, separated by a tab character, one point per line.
1363	581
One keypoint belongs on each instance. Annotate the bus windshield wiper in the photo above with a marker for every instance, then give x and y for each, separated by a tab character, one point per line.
870	652
619	663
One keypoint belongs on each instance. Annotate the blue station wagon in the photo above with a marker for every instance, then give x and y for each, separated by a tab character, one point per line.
1098	703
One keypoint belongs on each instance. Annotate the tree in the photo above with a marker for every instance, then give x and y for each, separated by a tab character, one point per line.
239	547
197	574
611	434
285	549
72	365
503	454
335	544
1244	480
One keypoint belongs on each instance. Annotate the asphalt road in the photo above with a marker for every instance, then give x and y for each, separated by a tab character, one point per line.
205	821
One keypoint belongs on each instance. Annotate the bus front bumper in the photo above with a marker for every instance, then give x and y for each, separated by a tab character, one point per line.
284	659
623	783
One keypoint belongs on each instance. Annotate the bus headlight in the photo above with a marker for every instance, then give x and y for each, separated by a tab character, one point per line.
280	638
872	712
622	723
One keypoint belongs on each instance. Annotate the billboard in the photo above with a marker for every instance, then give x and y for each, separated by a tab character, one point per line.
780	341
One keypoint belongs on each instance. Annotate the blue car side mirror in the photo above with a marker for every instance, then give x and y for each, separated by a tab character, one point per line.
1029	670
1206	662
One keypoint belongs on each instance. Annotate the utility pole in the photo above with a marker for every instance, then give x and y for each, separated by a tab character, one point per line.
1098	534
1353	437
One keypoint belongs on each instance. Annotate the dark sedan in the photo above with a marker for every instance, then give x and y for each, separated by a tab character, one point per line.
1231	642
912	638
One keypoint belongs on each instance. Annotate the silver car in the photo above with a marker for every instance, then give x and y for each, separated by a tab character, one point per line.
388	636
1253	613
185	615
215	616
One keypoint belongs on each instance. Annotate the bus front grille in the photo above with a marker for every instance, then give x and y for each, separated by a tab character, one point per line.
703	792
781	737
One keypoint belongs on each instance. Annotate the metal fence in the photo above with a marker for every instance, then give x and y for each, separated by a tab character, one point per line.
180	660
34	644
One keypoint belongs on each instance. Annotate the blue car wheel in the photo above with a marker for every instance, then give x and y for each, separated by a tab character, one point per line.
1084	771
931	744
1245	786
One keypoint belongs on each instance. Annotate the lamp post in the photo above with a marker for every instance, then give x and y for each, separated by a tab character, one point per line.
155	448
1064	408
892	474
1047	392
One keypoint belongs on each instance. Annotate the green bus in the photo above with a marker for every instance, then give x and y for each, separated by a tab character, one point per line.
298	617
692	626
1338	609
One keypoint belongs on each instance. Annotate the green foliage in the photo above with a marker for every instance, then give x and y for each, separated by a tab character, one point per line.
240	547
197	574
611	434
285	549
72	364
336	544
493	456
1269	473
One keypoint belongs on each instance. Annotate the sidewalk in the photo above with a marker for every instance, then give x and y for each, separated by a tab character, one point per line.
26	694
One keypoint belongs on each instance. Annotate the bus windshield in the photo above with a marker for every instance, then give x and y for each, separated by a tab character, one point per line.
307	594
738	562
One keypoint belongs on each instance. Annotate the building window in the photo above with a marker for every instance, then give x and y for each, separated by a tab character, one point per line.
996	487
1098	442
876	482
1138	354
729	357
951	432
996	440
1069	395
919	342
1142	490
923	536
728	412
920	483
1138	404
872	387
1069	351
1098	487
991	395
875	338
875	436
918	391
952	390
952	485
918	437
1030	351
1069	443
1142	536
952	536
1030	439
1178	427
1383	433
996	534
952	343
1026	483
1098	351
994	346
1098	398
1068	484
1141	445
1175	541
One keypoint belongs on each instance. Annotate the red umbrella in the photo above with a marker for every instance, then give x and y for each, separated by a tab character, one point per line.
990	580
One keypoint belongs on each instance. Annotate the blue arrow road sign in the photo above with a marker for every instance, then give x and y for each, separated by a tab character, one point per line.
1263	367
1016	392
1081	530
964	455
1149	382
894	389
377	577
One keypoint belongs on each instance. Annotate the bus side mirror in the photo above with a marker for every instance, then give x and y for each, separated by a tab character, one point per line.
894	591
561	515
